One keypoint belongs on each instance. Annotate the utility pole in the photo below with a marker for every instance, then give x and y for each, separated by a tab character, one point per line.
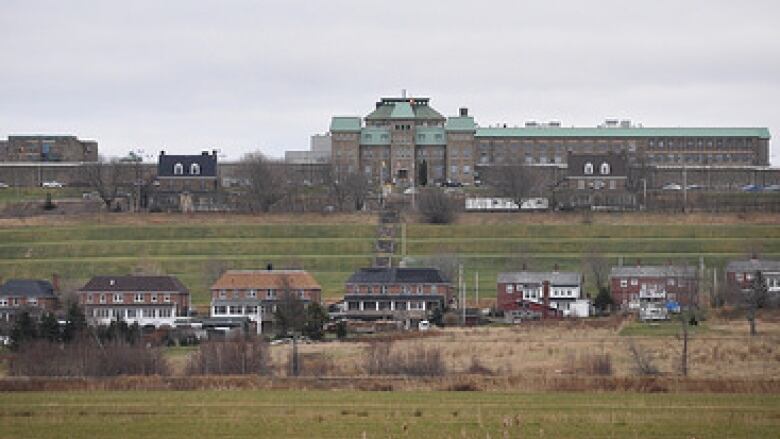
476	288
461	295
685	188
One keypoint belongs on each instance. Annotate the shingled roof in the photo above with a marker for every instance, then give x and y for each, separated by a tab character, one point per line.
266	279
27	288
135	283
752	265
654	271
538	277
397	276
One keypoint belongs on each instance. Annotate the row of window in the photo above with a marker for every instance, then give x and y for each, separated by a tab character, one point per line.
178	169
253	294
137	298
16	301
634	282
132	313
383	289
411	305
249	310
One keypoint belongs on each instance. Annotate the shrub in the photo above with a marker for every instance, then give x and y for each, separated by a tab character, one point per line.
233	357
436	207
418	361
85	357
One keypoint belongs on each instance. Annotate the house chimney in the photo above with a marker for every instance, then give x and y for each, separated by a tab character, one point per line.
214	152
638	262
270	267
204	153
525	266
546	295
55	282
754	256
464	112
555	268
162	153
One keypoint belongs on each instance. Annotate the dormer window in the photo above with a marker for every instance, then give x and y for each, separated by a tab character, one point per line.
178	169
588	169
604	169
195	169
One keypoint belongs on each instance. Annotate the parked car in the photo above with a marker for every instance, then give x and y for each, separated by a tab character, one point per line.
3	185
410	190
672	187
695	187
51	184
451	183
772	188
751	188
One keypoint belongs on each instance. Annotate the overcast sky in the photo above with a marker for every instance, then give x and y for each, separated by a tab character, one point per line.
242	76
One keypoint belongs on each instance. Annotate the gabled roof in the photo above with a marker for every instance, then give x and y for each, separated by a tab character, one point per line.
633	132
654	271
207	163
135	283
27	288
397	276
266	279
752	265
538	277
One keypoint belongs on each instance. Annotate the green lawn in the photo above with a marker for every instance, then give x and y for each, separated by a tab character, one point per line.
20	194
333	251
348	414
670	328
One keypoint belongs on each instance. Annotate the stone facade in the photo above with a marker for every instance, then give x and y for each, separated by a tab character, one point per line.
48	149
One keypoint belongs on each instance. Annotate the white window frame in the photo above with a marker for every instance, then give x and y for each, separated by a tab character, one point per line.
194	169
178	169
623	283
117	298
588	168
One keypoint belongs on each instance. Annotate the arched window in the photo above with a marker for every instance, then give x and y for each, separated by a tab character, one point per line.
178	169
195	169
604	168
588	168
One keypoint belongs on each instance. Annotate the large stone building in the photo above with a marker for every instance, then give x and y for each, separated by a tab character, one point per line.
405	141
42	148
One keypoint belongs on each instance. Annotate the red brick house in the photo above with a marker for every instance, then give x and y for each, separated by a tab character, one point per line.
526	295
740	274
146	300
34	296
403	294
255	293
632	285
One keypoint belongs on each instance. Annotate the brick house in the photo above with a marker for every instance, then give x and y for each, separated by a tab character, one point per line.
597	181
533	295
187	183
404	294
256	293
146	300
740	273
632	285
34	296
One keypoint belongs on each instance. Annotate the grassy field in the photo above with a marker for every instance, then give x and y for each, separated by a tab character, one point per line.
194	248
346	414
20	194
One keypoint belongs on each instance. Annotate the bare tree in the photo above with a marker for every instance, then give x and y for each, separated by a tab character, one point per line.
290	312
753	298
512	180
357	188
436	207
643	361
266	181
103	177
598	266
337	187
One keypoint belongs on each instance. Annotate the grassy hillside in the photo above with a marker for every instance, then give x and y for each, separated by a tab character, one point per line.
195	251
350	414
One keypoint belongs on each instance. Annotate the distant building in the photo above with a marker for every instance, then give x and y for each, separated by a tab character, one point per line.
530	295
146	300
310	167
597	181
740	274
33	296
632	285
256	293
187	183
403	294
407	142
43	148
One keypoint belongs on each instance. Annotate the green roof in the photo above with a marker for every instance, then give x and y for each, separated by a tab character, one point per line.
402	110
761	133
374	136
345	124
461	123
430	136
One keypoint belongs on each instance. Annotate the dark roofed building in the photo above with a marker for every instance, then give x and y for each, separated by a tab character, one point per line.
740	273
408	294
187	183
146	300
32	295
597	181
543	293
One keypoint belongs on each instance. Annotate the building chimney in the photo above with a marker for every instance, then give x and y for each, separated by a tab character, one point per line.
464	112
555	268
546	295
55	282
214	152
270	267
525	266
754	256
204	153
162	153
638	262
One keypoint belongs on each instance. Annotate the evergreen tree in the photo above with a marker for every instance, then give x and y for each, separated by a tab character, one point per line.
24	329
49	328
75	324
603	299
316	317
